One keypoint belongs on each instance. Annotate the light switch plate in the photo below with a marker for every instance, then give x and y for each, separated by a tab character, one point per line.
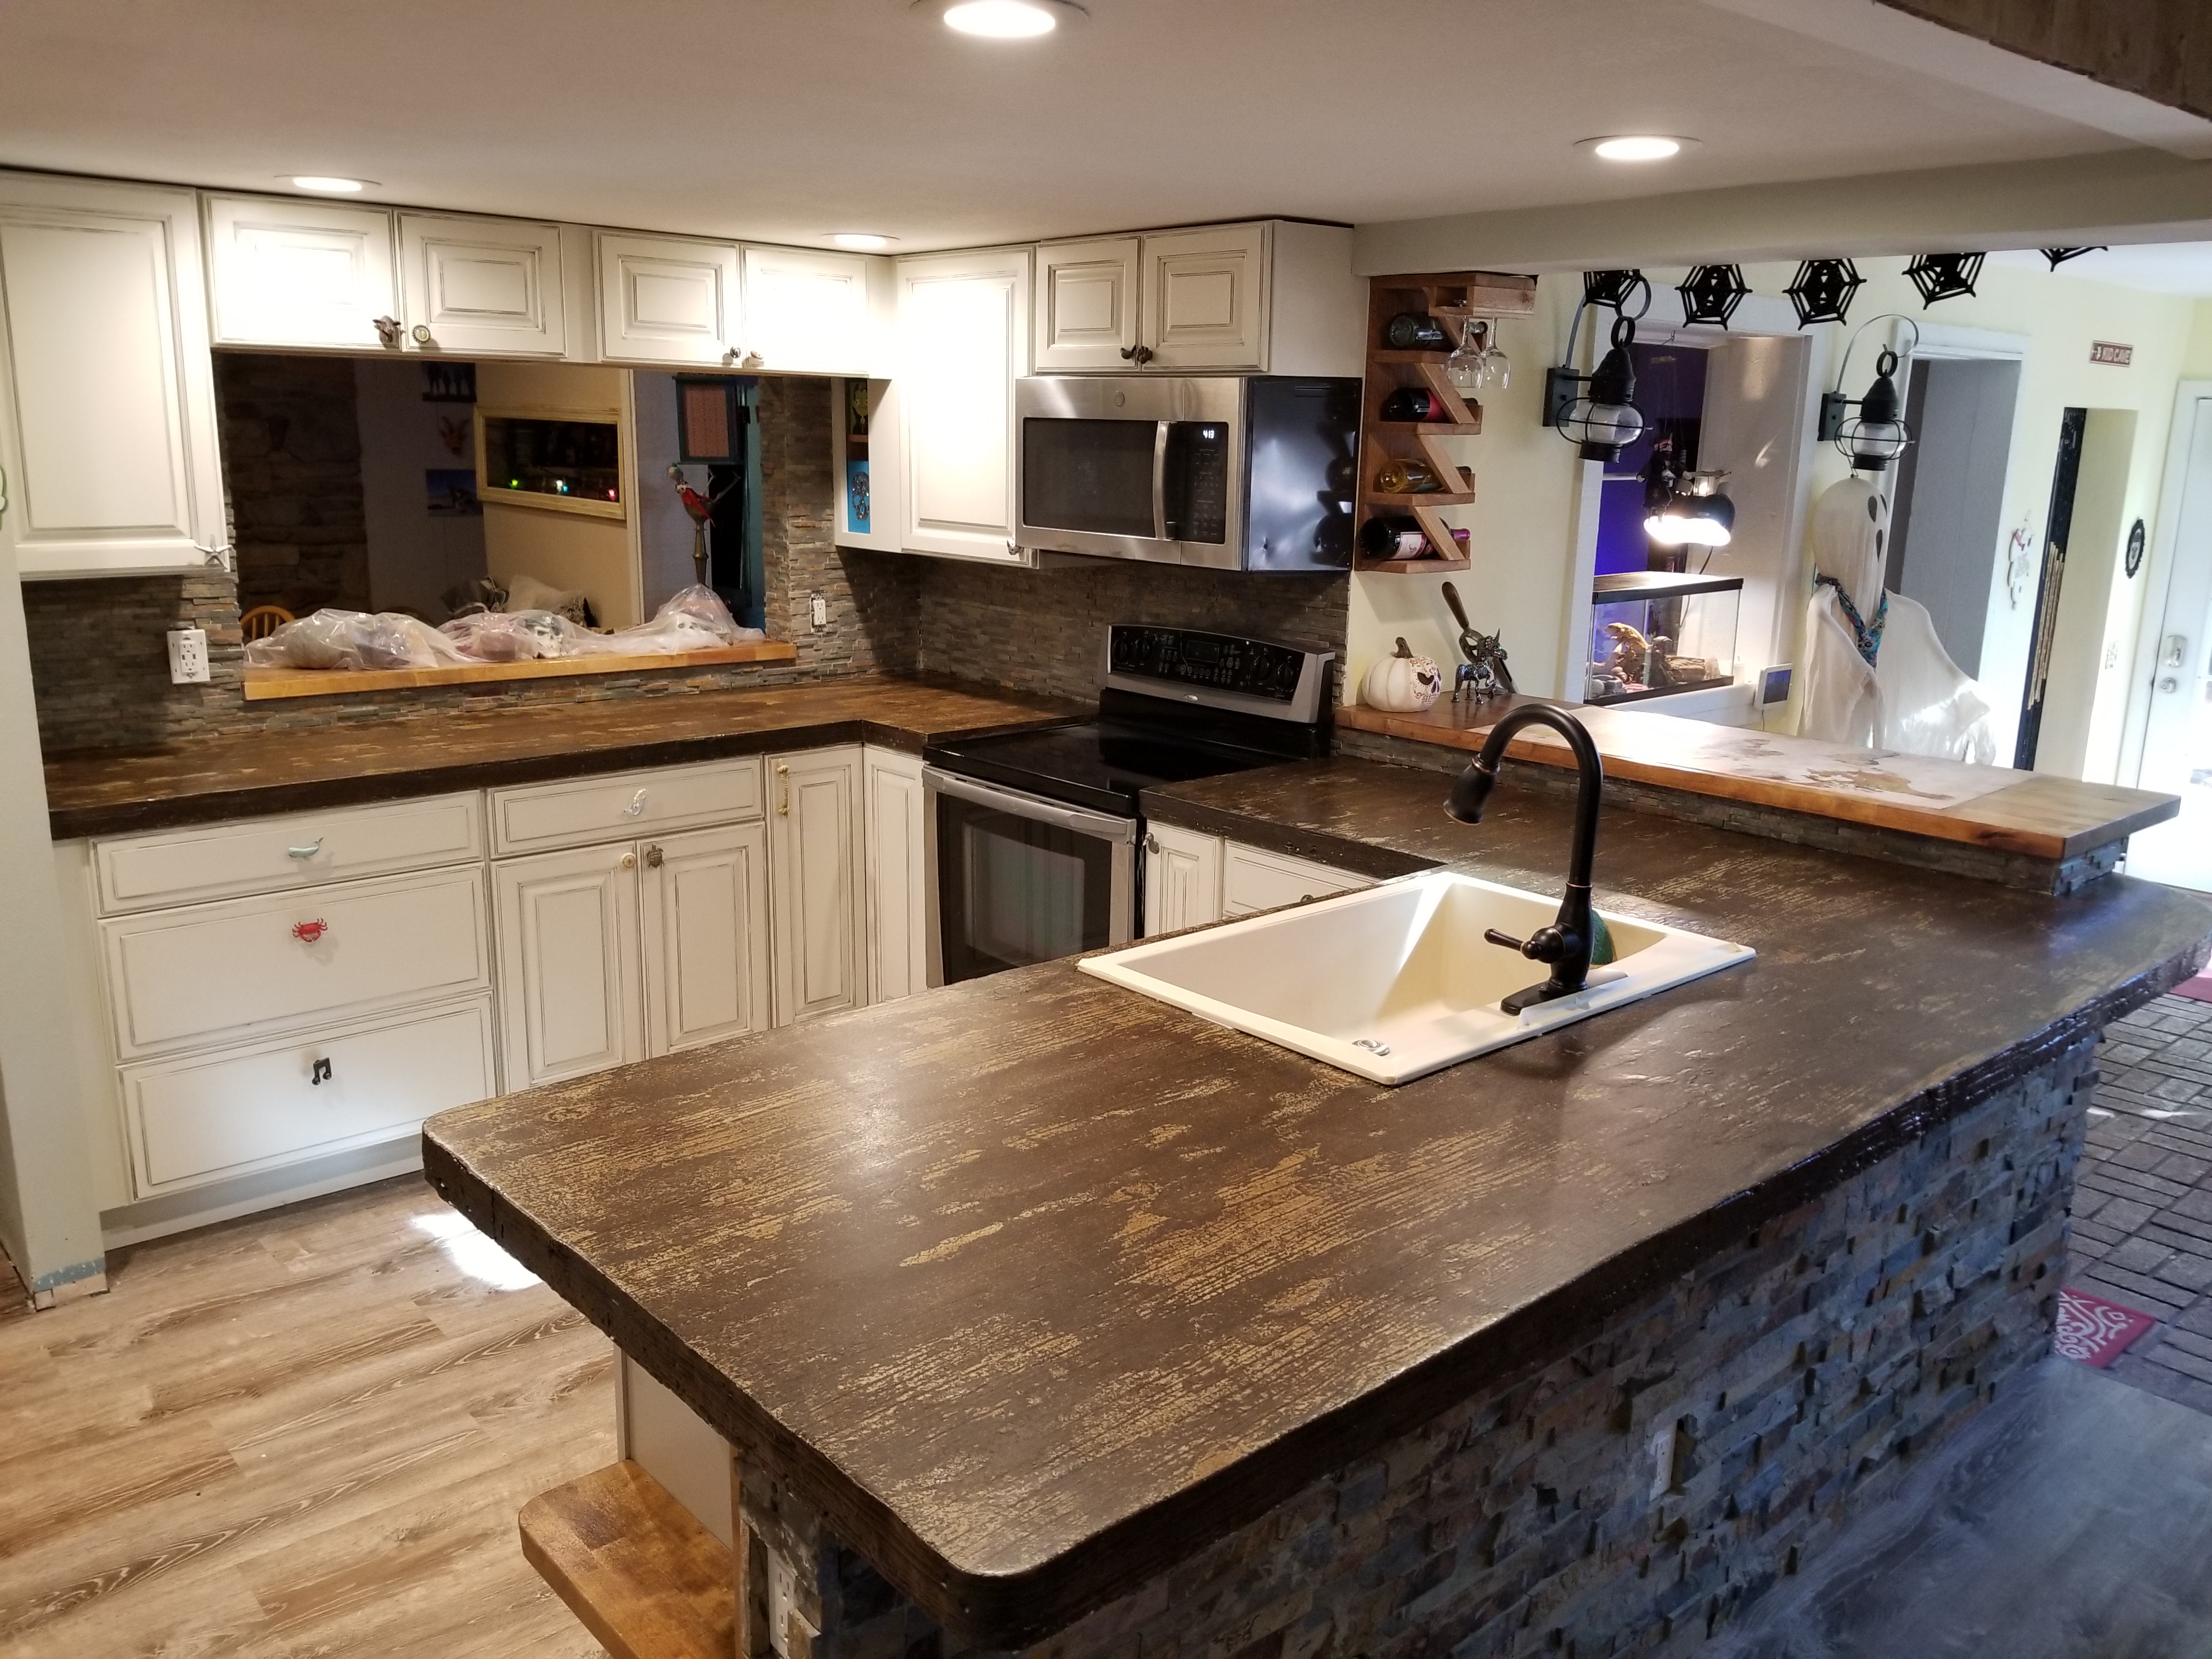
188	656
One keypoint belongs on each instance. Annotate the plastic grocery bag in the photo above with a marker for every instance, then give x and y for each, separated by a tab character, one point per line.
353	639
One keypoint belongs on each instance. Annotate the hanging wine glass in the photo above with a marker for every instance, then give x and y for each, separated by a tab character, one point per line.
1464	366
1495	367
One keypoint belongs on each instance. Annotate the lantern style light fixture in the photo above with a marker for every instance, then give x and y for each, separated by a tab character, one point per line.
1710	293
1945	276
1696	514
1597	411
1822	290
1877	434
2059	256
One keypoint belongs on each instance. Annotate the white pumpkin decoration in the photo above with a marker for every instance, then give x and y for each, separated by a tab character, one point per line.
1402	684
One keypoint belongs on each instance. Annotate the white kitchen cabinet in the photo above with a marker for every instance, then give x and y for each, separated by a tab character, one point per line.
621	805
1252	880
285	272
571	987
704	910
865	464
808	312
108	457
1086	303
963	339
668	300
1182	880
1205	297
816	916
474	287
898	875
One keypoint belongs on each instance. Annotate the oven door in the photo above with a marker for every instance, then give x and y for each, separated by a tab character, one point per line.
1133	466
1015	878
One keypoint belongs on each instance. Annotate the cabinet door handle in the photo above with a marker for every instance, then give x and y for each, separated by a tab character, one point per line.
636	806
1153	845
629	861
310	933
306	852
653	857
782	789
321	1073
422	332
388	331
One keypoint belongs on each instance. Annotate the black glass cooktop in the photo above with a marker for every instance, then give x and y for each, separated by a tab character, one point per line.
1101	764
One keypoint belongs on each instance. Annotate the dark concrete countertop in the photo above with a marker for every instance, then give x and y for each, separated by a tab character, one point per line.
1034	1286
201	780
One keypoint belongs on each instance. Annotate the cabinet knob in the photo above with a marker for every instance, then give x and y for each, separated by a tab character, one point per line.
629	861
783	789
636	806
653	857
1152	844
388	331
306	852
321	1073
310	933
1136	354
422	332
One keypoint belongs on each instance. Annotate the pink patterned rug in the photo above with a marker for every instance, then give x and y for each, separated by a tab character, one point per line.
2095	1331
2196	990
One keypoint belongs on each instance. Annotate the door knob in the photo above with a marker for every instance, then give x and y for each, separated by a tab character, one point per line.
2169	683
653	857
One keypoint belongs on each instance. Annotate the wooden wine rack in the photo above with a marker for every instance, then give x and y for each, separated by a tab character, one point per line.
1452	299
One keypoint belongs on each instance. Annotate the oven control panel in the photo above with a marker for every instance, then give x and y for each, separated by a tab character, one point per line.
1228	665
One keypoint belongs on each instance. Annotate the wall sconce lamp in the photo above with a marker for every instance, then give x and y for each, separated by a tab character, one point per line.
1877	434
1597	411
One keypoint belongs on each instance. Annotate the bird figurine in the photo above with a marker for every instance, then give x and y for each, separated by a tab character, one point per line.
701	510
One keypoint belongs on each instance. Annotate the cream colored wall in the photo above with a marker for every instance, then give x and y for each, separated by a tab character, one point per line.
1523	524
574	550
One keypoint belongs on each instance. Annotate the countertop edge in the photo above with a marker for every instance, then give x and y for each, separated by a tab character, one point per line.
1014	1609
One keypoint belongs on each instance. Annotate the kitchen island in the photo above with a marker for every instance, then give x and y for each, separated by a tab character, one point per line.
1033	1310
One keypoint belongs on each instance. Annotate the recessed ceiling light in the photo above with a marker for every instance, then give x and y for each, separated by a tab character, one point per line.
1004	19
327	185
866	241
1637	147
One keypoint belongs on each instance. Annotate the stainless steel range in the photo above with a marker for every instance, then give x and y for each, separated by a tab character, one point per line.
1033	837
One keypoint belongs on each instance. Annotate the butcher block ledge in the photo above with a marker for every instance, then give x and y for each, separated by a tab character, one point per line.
264	685
647	1579
2030	813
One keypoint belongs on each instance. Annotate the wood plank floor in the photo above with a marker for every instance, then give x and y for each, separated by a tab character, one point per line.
305	1433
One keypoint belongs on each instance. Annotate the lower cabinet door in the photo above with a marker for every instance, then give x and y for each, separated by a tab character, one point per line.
705	916
898	876
1182	880
205	1117
814	910
571	993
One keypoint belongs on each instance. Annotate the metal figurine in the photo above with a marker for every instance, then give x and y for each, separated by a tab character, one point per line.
701	510
1484	674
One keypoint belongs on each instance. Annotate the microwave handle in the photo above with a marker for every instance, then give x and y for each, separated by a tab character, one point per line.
1160	483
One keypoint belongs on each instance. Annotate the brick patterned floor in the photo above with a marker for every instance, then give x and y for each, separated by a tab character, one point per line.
2142	1207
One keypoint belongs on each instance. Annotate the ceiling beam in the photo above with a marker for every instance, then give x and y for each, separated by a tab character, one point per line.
2077	201
2161	49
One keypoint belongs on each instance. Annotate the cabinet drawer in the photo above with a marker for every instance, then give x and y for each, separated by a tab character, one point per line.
208	1116
270	855
623	806
245	966
1254	880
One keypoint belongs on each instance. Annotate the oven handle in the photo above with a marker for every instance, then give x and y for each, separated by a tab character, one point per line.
1160	483
1072	819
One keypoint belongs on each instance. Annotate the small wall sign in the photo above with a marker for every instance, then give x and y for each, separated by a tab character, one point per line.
2135	547
2111	352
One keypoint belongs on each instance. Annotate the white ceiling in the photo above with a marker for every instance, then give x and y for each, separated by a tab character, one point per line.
788	119
2155	268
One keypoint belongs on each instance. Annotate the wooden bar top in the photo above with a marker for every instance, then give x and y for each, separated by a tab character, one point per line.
201	780
1036	1287
2012	811
269	684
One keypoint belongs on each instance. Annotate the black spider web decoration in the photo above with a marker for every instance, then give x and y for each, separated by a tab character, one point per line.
2059	256
1945	276
1822	290
1711	292
1609	288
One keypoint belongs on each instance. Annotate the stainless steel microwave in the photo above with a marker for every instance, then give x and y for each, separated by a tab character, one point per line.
1230	472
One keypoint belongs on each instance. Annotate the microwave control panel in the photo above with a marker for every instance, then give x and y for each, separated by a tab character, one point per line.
1221	662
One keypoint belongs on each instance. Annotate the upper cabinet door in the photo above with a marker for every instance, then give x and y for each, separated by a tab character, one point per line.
1205	297
807	313
481	287
667	299
291	273
1086	304
108	425
964	327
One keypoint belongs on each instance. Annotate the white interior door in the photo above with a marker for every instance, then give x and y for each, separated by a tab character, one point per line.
663	300
705	916
487	287
2177	755
293	273
570	992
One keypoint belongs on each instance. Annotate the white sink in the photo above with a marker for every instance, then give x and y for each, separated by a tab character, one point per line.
1397	982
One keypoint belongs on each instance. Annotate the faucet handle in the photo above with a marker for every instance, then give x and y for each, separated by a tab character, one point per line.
1545	944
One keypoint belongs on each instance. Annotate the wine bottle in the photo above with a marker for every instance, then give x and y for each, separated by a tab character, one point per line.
1415	477
1414	402
1393	536
1416	330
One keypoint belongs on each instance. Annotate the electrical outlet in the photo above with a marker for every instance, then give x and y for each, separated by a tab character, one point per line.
188	656
820	612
